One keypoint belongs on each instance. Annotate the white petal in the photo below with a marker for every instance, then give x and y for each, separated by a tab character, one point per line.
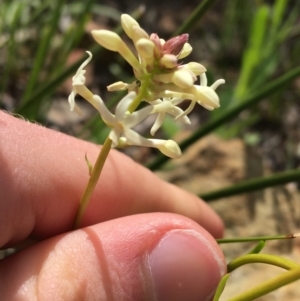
114	135
79	78
203	80
137	117
85	63
168	107
208	96
187	111
176	101
106	115
217	83
209	108
158	122
168	147
123	105
136	139
71	99
176	112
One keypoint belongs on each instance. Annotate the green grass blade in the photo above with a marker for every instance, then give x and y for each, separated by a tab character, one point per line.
14	12
254	51
72	37
42	52
279	10
254	184
199	11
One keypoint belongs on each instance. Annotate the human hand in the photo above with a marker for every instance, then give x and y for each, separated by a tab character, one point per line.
144	239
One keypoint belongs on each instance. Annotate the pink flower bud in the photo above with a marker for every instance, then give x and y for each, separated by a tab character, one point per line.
158	49
175	45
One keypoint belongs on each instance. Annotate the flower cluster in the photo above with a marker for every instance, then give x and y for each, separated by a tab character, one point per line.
161	81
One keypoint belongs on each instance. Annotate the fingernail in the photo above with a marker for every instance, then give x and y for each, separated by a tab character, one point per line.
184	266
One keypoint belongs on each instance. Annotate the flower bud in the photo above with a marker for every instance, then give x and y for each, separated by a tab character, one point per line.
127	23
164	77
117	86
207	96
139	33
108	39
186	50
183	78
169	61
196	68
171	149
175	45
158	45
145	48
113	42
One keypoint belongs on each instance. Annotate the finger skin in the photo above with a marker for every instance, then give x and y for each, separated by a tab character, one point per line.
43	175
107	261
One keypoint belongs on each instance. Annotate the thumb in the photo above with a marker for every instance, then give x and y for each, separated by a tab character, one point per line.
155	256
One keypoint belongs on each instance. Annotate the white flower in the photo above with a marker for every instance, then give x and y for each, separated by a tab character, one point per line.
201	94
169	106
78	81
122	122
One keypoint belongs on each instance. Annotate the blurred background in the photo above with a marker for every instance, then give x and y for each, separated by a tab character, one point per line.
253	45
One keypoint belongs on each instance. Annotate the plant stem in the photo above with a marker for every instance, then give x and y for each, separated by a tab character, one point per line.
255	238
141	95
262	258
96	172
269	286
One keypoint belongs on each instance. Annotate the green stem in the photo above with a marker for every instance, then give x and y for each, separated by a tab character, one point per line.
252	185
221	287
141	95
269	286
262	258
255	238
257	248
96	172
